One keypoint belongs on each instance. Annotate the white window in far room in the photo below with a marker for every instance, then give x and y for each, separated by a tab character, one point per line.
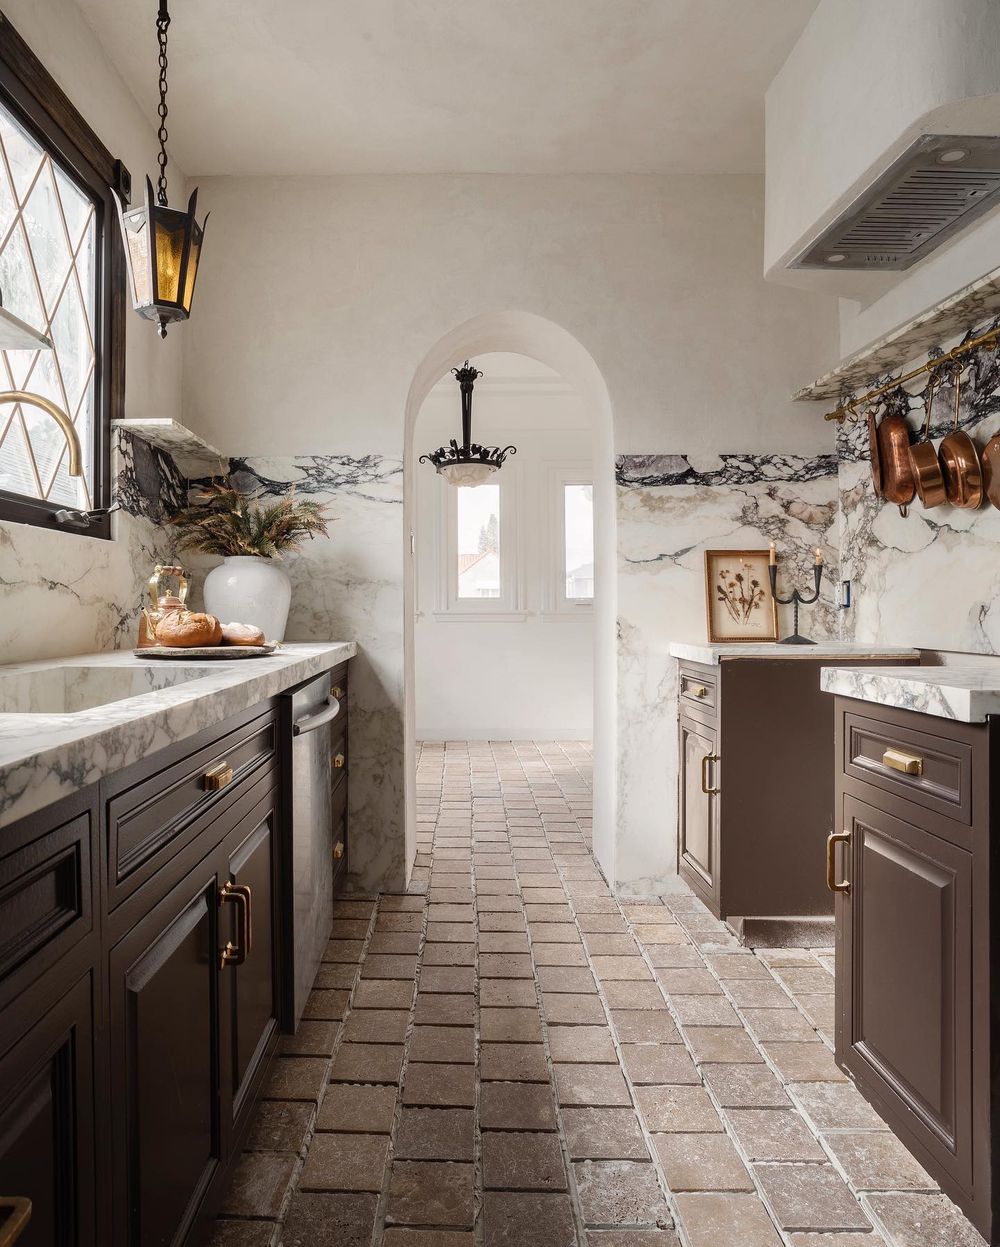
478	541
578	541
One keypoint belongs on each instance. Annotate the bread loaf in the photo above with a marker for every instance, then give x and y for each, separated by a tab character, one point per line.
186	629
241	634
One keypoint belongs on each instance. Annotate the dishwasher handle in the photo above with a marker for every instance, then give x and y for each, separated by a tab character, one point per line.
310	722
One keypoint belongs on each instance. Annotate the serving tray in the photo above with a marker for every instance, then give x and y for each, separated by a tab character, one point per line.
207	651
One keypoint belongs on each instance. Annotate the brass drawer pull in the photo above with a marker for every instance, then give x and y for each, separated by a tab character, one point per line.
240	896
338	850
217	777
832	840
699	690
706	762
18	1218
337	691
905	763
338	760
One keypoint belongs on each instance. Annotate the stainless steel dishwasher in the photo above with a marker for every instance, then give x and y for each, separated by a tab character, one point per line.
308	720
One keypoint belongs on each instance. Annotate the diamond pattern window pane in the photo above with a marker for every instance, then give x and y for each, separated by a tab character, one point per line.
48	242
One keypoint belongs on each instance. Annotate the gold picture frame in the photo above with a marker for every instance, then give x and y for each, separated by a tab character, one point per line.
739	603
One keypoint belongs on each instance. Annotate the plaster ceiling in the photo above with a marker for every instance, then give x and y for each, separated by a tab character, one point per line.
458	86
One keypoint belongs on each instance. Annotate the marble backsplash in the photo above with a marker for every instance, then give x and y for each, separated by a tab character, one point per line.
931	579
671	509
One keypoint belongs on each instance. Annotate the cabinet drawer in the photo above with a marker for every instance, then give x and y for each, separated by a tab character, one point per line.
698	690
156	811
932	771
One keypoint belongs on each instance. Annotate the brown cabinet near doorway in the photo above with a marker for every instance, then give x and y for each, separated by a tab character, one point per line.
915	976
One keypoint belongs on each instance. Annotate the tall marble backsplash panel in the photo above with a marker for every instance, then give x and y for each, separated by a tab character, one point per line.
931	579
671	509
66	593
349	586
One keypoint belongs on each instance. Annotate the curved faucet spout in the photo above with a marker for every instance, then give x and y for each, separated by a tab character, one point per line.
59	416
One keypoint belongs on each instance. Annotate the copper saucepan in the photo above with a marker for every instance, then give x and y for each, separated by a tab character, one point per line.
894	459
924	463
991	469
963	476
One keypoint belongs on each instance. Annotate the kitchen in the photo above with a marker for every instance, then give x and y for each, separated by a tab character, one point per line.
561	992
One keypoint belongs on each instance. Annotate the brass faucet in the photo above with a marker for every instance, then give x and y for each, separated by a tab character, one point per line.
59	416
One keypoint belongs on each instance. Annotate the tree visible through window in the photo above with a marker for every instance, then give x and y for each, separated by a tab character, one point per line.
48	277
478	547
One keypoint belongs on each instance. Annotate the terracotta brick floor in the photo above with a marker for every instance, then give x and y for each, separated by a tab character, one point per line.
509	1056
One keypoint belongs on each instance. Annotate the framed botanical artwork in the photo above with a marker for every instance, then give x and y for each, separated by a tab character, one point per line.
740	604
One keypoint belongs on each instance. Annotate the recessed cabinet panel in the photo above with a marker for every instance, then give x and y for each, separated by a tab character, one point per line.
907	960
698	810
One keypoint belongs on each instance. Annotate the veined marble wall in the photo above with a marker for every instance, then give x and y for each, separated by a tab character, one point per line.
349	586
66	593
931	579
671	509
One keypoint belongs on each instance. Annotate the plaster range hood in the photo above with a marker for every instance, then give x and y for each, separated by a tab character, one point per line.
934	189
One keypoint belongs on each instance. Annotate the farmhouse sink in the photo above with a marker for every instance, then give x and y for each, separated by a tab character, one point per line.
72	689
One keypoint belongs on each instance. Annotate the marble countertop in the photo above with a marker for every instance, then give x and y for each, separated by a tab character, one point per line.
44	757
712	655
968	694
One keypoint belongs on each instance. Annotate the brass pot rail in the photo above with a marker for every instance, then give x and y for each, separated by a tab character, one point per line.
849	409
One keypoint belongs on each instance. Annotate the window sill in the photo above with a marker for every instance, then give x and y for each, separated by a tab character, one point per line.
483	616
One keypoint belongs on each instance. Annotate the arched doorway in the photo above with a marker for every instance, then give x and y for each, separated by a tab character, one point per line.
524	333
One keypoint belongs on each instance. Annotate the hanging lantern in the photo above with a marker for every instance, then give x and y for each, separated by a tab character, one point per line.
468	463
162	244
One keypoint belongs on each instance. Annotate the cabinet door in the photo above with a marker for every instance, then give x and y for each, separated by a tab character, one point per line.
904	973
164	981
699	813
249	989
47	1124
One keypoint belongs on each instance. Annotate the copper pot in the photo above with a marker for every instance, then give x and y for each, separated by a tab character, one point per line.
963	476
991	469
876	461
894	460
924	464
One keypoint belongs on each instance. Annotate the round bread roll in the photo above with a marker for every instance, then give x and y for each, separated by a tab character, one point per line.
186	629
241	634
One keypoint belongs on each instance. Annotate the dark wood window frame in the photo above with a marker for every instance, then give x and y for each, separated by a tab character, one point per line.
39	103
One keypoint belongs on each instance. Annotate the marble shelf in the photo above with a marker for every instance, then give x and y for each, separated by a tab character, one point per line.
951	317
172	436
966	694
712	655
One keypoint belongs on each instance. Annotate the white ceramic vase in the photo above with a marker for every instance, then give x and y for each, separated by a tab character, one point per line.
252	590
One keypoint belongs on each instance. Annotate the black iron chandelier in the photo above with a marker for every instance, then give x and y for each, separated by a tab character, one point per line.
468	464
162	244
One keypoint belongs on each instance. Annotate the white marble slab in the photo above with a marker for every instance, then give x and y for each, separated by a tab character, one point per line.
712	655
44	757
968	694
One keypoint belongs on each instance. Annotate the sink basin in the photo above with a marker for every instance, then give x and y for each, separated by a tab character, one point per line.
69	690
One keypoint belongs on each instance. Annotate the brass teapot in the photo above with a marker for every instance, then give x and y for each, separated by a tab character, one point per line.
161	603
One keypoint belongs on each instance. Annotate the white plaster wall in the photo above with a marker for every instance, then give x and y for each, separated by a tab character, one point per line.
526	680
864	79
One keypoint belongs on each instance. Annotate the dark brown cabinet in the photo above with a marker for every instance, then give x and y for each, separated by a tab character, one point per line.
911	863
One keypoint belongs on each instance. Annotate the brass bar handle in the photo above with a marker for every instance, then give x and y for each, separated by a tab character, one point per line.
706	763
217	777
18	1218
338	850
240	896
832	840
905	763
338	760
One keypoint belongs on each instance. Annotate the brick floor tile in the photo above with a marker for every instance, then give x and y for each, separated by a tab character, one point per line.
704	1011
449	954
311	1039
554	932
389	966
714	1219
336	976
345	1162
510	1025
743	965
610	923
659	1064
674	957
805	980
745	1086
523	1162
836	1106
323	1005
345	1220
359	1062
383	994
430	1192
549	913
659	933
603	1134
610	945
399	922
226	1233
785	1024
850	1239
573	979
451	932
572	1009
644	1026
388	902
505	966
516	1106
804	1062
376	1025
581	1044
406	1237
810	1197
911	1220
507	994
349	929
521	1219
558	955
875	1160
449	979
258	1185
440	1009
619	1192
595	1085
701	1162
722	1043
633	1238
439	1085
295	1078
349	1107
500	920
672	1109
513	1062
503	942
390	942
774	1134
279	1126
436	1134
449	1044
617	968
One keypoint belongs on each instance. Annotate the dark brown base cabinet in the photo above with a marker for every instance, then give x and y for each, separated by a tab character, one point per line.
916	928
142	923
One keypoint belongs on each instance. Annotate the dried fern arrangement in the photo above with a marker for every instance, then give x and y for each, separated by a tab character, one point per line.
226	521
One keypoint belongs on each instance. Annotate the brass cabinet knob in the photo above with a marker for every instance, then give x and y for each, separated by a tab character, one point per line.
699	690
338	760
217	777
18	1208
905	763
338	850
337	691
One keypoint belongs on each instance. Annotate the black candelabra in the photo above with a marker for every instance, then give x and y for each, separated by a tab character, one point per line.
796	600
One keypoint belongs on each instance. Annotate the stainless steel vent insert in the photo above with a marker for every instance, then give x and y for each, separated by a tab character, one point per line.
938	186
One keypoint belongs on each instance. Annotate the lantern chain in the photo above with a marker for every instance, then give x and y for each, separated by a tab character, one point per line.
162	22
